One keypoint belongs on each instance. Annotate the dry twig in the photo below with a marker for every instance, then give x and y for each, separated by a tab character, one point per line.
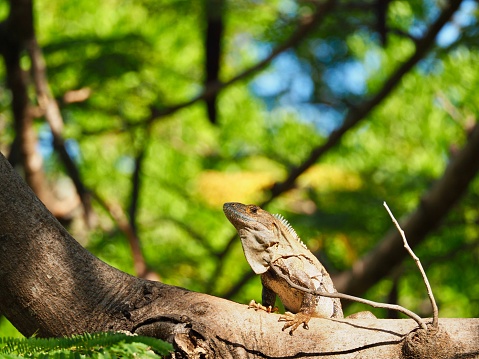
373	304
435	311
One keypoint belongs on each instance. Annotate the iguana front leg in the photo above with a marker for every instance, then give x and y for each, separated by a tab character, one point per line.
268	297
293	321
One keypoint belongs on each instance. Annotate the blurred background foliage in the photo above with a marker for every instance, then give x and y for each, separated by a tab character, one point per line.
135	59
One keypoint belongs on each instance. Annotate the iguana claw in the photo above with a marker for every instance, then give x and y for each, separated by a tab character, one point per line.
257	306
295	320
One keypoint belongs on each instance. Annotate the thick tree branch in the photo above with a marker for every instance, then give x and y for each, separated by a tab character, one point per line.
214	10
17	31
432	209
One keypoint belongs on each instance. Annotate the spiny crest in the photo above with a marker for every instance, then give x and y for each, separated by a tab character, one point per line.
289	228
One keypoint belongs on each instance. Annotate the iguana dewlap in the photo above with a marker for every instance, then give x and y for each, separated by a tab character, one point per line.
270	243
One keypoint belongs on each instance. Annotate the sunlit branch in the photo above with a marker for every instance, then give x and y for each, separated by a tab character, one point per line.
15	32
54	119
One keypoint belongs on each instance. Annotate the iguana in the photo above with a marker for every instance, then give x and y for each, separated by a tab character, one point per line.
270	244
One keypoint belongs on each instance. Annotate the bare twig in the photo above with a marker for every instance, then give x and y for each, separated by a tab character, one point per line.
419	265
373	304
76	96
136	188
118	215
54	119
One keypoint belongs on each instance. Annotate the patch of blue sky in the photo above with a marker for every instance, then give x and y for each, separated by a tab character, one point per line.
285	73
289	78
288	8
347	78
325	51
452	30
73	149
371	62
324	118
45	141
449	34
288	85
45	144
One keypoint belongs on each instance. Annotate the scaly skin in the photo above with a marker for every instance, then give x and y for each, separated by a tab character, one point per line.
270	244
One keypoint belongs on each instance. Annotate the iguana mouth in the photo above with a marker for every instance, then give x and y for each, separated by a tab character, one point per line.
233	211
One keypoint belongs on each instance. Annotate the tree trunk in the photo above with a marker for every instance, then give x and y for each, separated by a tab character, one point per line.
51	286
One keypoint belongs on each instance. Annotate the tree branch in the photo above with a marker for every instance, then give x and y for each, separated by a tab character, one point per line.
214	10
118	215
355	115
419	265
55	120
50	285
17	31
135	188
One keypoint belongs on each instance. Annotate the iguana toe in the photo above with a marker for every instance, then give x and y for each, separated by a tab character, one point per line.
257	306
293	321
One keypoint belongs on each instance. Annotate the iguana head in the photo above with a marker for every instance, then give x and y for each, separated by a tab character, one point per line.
260	233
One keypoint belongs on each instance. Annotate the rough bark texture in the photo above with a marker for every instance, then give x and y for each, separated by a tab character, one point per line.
51	286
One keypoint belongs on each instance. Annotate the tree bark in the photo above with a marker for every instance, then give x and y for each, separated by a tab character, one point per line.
51	286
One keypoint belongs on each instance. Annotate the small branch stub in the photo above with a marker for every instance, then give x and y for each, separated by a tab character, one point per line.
427	344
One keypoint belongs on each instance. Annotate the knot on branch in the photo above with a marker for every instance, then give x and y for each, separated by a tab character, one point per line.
428	344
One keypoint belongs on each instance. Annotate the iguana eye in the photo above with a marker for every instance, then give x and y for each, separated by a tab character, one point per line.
253	209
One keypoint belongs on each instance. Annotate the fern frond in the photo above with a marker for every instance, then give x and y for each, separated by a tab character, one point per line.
98	345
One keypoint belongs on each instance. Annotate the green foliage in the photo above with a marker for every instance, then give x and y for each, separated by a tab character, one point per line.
97	345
